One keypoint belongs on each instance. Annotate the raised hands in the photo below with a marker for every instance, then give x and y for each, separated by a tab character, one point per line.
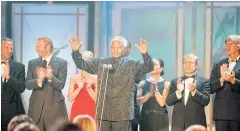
43	73
142	47
226	74
192	86
75	44
40	71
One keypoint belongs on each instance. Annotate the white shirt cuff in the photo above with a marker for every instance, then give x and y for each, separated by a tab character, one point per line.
194	92
179	95
39	83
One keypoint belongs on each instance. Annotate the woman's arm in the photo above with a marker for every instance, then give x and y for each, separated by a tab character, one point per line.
161	99
140	98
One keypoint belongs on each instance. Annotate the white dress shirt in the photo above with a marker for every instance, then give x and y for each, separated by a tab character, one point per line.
2	70
186	90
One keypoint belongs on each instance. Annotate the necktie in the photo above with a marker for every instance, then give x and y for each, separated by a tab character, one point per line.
231	60
44	63
115	64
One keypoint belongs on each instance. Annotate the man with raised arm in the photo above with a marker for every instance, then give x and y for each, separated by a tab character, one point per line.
115	101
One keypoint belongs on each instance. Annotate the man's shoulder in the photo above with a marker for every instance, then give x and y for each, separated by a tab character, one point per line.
34	60
222	61
175	79
202	78
59	59
132	60
17	64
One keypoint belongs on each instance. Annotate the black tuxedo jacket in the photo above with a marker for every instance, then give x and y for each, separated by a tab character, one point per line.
193	112
11	103
227	100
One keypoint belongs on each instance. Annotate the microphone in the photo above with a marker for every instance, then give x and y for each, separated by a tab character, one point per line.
109	66
105	66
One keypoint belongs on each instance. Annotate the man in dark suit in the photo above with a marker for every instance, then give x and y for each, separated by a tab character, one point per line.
46	78
225	82
115	102
12	84
189	94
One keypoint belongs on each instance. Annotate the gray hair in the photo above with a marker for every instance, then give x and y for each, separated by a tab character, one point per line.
123	40
234	38
6	39
192	56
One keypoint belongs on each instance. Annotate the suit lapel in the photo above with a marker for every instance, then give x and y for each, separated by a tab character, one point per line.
53	62
12	70
121	64
237	66
2	86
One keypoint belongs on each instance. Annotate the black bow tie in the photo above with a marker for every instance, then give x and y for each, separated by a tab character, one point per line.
3	62
186	77
230	60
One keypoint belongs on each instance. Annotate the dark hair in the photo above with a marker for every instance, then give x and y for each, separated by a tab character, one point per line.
16	120
161	63
69	127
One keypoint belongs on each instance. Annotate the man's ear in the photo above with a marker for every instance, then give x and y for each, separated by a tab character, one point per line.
196	64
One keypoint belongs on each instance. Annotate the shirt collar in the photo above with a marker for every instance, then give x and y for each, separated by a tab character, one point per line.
48	58
231	60
120	60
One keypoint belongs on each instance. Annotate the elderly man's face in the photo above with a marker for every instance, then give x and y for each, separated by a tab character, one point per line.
189	65
6	50
231	47
117	49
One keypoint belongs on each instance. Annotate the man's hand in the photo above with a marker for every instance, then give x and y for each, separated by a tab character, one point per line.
192	86
49	72
224	71
230	77
180	85
142	47
41	74
75	44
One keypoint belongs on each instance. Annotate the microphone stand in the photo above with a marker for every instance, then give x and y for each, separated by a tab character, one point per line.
104	66
104	96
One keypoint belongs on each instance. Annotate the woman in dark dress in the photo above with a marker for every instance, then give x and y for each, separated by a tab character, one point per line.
152	93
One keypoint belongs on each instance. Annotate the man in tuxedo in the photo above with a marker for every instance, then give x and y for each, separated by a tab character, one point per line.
136	119
12	84
115	101
225	82
46	78
189	94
